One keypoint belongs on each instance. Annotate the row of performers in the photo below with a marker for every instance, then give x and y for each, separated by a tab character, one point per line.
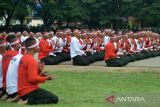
93	47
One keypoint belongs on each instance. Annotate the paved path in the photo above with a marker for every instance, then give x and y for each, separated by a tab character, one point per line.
151	62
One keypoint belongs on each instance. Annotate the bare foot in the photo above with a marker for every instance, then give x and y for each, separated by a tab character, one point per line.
22	102
15	99
4	97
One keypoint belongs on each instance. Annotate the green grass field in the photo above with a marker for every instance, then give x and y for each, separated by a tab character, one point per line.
89	89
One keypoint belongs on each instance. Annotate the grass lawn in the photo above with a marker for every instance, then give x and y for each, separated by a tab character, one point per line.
89	89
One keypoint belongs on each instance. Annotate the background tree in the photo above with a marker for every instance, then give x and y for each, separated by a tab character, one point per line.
22	11
91	13
47	10
71	11
8	8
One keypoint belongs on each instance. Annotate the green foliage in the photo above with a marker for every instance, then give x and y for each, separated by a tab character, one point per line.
13	9
94	13
145	10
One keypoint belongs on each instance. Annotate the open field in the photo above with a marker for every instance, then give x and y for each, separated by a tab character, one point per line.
88	86
89	89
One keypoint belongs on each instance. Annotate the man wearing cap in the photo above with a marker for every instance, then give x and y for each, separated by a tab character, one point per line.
30	75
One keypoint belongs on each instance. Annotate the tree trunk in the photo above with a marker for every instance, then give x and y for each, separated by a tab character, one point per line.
21	23
7	24
45	24
10	14
75	25
67	24
139	25
113	21
59	24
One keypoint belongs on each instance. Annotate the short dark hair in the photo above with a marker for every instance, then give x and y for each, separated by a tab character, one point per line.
29	42
11	38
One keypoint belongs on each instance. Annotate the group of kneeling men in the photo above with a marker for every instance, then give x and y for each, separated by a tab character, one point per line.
84	47
21	74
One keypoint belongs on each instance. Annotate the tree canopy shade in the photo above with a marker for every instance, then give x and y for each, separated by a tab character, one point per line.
91	13
8	8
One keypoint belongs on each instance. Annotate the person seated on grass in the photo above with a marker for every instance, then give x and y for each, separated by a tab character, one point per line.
158	44
77	54
100	46
2	51
60	45
12	78
30	76
111	59
13	48
120	51
66	48
89	47
45	49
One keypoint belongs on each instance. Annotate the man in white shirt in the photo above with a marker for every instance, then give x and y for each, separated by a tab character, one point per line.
107	35
78	55
24	36
12	78
60	43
